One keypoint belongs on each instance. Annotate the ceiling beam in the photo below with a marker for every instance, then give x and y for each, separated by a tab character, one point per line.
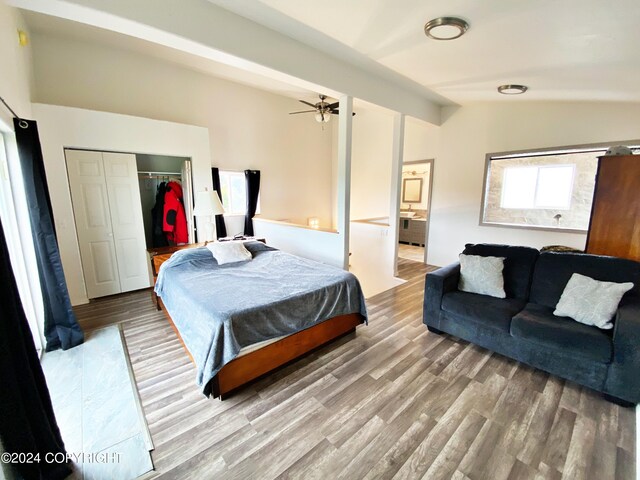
204	29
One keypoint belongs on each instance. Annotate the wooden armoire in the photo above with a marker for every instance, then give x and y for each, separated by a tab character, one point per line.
614	227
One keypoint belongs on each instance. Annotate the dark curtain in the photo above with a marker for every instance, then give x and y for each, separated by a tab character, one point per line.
253	189
27	424
221	227
61	328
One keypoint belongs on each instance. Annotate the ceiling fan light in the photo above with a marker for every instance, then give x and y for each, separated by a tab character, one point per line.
323	117
512	89
445	28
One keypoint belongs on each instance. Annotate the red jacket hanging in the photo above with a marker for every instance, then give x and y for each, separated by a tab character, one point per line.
174	223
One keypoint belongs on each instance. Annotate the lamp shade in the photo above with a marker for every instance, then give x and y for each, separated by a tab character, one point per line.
207	204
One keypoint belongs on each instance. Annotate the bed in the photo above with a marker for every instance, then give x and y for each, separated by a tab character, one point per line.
242	320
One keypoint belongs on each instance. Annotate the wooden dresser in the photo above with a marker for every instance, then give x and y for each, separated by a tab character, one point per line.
614	228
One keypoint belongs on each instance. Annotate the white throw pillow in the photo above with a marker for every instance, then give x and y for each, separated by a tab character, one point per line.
229	252
482	275
590	301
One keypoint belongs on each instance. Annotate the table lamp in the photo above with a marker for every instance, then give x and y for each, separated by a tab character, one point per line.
207	205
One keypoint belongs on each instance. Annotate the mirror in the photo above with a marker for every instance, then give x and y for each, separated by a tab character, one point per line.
412	190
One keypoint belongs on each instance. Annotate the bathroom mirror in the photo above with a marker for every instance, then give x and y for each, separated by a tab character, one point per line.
412	190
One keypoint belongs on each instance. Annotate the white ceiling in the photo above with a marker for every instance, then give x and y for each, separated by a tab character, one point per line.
563	50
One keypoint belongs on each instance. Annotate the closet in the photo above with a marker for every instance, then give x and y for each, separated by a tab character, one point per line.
112	196
155	172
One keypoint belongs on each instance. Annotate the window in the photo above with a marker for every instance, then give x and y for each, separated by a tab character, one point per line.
17	230
233	187
550	188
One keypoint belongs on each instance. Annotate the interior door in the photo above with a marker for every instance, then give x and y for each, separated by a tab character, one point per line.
93	222
121	176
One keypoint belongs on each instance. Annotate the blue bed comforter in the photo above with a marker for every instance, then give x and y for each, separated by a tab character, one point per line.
219	309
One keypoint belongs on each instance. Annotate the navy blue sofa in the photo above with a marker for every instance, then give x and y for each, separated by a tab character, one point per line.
523	327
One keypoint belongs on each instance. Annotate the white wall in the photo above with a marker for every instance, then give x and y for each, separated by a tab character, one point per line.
16	81
371	163
322	246
62	127
468	133
421	140
372	257
249	128
371	245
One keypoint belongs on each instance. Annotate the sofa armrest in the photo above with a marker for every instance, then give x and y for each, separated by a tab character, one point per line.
626	333
443	280
623	380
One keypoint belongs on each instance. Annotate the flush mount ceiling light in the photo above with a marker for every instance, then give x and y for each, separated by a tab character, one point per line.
445	28
512	89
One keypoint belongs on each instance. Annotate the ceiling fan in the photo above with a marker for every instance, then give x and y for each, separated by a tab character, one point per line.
322	109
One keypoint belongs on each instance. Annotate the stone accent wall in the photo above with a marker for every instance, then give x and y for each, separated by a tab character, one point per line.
576	218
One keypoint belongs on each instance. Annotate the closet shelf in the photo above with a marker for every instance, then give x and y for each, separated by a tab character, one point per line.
165	174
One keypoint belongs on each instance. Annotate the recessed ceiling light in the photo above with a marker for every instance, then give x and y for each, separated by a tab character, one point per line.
512	89
445	28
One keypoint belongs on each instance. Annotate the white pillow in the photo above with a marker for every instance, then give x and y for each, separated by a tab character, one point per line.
229	252
482	275
590	301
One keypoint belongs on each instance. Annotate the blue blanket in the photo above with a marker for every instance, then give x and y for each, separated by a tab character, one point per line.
219	309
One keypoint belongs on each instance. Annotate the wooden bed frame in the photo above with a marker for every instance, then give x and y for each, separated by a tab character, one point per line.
257	363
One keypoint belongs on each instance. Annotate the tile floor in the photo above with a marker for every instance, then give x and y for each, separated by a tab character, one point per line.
411	252
95	405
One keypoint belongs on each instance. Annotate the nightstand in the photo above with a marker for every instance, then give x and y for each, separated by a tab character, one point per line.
159	255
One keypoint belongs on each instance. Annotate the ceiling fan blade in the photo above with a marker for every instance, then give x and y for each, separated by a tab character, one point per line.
333	105
337	112
307	103
304	111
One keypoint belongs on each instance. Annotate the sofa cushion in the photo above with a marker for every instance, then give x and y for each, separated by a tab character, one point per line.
591	302
482	275
491	312
538	324
553	271
518	265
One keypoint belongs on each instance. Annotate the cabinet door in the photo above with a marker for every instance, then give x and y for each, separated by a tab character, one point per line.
121	176
614	228
93	222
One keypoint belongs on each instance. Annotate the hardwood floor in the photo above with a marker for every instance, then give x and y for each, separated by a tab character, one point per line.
391	401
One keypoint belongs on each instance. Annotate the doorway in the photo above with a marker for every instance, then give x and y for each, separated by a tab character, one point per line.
415	210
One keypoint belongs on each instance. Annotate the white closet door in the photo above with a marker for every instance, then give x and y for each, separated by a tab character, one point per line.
93	222
187	197
126	218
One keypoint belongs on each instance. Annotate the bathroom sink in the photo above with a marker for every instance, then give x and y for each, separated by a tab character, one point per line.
407	214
